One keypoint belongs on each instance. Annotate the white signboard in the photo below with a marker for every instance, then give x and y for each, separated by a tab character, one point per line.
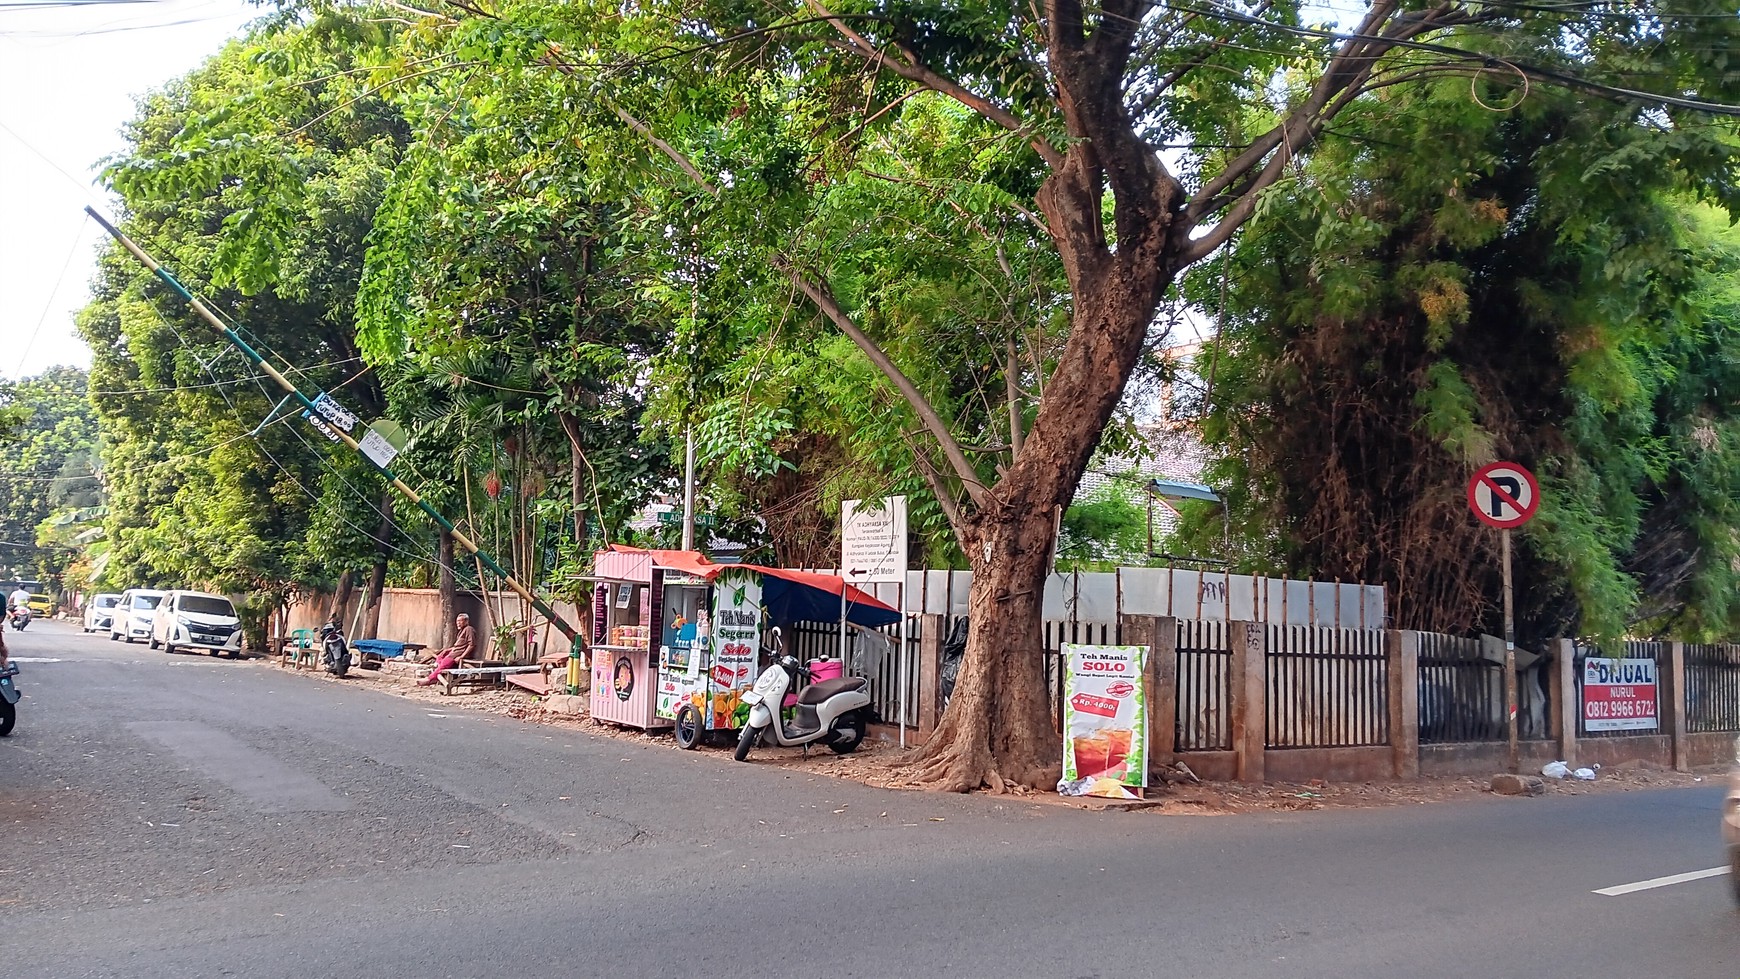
873	539
336	415
380	451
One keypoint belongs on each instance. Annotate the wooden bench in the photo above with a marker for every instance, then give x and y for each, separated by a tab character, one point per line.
478	673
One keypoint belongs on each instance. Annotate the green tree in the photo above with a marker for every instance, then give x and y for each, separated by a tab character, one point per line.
203	490
750	147
1455	285
45	465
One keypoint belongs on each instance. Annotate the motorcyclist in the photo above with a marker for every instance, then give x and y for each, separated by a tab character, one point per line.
19	599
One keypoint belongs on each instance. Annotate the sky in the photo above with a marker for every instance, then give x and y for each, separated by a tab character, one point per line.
69	73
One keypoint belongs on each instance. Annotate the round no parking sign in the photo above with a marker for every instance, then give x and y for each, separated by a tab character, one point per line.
1504	495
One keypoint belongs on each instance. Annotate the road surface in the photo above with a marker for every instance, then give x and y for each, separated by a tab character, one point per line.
182	816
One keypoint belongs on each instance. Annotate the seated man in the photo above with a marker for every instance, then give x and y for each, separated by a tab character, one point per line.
463	647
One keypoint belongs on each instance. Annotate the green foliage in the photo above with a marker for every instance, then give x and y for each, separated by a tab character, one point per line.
1104	530
45	467
1539	285
197	496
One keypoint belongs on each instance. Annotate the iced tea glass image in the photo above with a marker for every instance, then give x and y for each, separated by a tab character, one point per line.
1091	753
1117	747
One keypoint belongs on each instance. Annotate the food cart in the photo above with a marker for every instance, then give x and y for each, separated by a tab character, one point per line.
639	594
695	633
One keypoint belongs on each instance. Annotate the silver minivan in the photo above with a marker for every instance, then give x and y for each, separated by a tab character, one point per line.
134	613
197	620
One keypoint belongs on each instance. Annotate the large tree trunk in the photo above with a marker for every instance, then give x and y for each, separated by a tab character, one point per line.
448	589
341	596
378	574
998	729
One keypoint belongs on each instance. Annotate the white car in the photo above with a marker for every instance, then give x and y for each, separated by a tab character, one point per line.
134	614
100	612
197	620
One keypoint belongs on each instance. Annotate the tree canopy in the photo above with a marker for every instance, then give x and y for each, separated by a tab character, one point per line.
897	247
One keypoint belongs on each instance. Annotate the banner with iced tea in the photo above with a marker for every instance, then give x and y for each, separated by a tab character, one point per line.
1105	721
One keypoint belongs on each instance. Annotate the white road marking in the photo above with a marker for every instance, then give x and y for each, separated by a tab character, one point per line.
37	659
1645	885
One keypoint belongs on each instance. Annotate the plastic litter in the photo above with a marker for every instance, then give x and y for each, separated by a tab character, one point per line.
1586	774
1557	769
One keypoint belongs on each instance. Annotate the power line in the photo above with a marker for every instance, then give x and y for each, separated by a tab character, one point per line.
291	474
48	304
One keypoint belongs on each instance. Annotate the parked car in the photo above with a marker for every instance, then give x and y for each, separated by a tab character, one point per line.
41	605
197	620
134	614
100	611
1731	822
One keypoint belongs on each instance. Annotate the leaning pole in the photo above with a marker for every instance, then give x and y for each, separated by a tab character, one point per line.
577	648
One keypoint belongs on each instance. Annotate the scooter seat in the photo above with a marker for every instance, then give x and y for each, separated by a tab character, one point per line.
815	693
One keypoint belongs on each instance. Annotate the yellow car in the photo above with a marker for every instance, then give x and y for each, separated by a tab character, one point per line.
40	604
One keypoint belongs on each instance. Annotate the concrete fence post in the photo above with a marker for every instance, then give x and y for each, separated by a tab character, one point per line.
1671	702
930	645
1403	650
1564	692
1159	678
1248	643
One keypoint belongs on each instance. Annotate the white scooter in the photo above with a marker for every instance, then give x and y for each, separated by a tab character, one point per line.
832	711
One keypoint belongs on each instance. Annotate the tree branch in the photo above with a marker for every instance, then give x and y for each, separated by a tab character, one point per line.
938	488
1328	84
824	300
910	67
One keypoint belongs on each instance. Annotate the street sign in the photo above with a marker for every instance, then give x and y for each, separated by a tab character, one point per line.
1504	495
873	539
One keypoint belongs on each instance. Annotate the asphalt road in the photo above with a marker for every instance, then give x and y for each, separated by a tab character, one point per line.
184	816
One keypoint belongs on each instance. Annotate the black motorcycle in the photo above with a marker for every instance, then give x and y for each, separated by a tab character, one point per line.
335	652
8	699
20	617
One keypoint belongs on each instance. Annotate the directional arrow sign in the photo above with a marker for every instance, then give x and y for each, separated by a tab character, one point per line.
1504	495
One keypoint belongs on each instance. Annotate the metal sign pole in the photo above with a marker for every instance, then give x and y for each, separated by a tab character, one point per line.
1509	607
1510	680
900	657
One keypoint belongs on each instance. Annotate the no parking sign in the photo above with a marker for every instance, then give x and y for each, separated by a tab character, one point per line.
1504	495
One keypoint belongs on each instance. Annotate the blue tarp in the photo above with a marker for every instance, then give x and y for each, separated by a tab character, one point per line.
384	648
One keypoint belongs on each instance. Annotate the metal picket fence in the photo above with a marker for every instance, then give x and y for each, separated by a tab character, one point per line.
1712	688
1203	717
1461	692
1326	688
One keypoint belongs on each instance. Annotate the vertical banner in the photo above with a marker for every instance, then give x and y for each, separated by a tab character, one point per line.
736	645
1105	721
1619	695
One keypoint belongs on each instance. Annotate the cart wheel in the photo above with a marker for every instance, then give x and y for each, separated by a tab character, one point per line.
689	731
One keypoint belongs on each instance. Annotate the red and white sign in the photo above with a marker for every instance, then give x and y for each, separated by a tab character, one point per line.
1504	495
1619	695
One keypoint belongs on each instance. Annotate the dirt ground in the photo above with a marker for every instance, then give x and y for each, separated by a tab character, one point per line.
882	763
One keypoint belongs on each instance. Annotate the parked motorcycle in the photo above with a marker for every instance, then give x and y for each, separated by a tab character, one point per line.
833	712
335	652
9	697
20	617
